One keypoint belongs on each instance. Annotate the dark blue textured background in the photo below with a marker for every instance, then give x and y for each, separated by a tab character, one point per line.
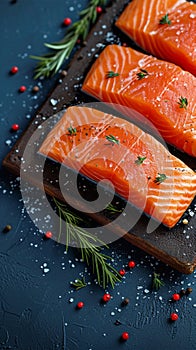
35	308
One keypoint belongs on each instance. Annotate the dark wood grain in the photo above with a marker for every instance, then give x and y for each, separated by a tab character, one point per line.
169	245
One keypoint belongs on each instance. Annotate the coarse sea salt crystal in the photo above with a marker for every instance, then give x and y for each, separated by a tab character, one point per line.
139	287
53	102
46	270
146	291
8	142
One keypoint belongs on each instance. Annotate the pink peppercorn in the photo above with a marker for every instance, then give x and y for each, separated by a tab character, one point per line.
67	21
131	264
14	70
15	127
125	336
22	88
174	316
80	305
99	9
122	272
48	234
106	297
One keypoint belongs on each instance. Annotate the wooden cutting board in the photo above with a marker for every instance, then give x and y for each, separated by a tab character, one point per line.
176	247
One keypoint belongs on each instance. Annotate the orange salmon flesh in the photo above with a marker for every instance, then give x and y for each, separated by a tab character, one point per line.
164	28
161	91
101	146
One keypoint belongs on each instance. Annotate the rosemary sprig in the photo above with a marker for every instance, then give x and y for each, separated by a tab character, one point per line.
142	74
112	209
86	243
111	74
78	284
183	102
160	178
50	63
140	160
112	139
165	19
156	282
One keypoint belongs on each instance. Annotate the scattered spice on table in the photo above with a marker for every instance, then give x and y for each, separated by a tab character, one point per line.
106	297
125	336
48	234
80	305
63	73
182	292
125	302
131	264
14	70
189	290
67	21
122	272
176	297
185	221
174	316
7	228
22	88
15	127
99	9
35	88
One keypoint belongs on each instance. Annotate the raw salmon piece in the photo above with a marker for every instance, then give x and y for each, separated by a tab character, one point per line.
140	168
161	91
173	40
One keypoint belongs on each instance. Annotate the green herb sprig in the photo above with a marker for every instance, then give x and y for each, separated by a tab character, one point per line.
50	63
142	74
183	102
78	284
112	209
160	178
86	242
111	74
165	19
112	139
72	131
140	160
156	281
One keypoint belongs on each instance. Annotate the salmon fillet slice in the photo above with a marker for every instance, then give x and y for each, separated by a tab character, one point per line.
159	90
141	169
164	28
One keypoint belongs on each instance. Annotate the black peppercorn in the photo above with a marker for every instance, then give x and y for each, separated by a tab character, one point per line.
125	302
35	88
7	228
117	323
189	290
182	292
